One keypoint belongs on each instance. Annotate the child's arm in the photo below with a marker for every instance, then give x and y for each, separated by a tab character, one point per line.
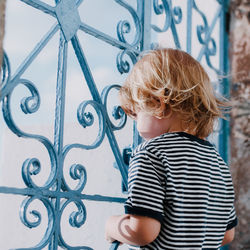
132	229
228	237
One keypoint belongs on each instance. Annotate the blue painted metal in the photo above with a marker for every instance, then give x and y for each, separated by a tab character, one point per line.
173	16
114	245
68	18
224	83
56	194
189	26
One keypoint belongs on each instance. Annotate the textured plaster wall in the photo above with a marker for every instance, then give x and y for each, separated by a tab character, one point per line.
240	119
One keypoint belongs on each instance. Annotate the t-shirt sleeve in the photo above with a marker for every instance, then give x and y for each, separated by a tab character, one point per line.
145	186
232	220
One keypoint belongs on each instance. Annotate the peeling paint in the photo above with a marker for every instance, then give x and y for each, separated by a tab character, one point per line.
240	118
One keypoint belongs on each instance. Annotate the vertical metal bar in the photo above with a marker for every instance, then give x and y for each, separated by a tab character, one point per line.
175	35
60	95
189	26
225	88
114	245
144	10
59	128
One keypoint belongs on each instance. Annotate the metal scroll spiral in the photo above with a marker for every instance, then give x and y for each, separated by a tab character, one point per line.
123	28
118	112
5	71
171	14
86	119
77	172
123	64
37	219
202	31
76	219
31	166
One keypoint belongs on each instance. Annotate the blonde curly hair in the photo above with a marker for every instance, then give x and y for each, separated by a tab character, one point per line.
171	79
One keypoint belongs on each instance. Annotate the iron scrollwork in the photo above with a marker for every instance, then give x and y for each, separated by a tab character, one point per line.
5	71
204	37
117	113
37	219
123	64
124	27
173	16
56	194
76	219
31	167
30	105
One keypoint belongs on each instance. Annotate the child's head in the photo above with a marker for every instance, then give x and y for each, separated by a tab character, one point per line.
167	81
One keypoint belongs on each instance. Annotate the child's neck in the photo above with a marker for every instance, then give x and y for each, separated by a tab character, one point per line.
176	124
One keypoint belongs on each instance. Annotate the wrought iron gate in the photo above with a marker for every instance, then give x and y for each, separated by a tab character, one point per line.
56	194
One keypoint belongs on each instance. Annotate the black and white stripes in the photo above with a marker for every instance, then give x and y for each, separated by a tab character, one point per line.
182	181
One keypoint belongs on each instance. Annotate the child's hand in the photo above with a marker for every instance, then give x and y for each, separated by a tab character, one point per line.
109	239
108	229
113	230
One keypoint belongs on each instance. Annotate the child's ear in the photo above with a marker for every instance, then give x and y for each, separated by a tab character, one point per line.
167	111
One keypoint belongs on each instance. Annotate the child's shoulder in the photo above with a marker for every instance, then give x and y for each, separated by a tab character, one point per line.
152	144
171	140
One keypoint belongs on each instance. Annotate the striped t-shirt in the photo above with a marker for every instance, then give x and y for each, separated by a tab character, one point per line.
181	181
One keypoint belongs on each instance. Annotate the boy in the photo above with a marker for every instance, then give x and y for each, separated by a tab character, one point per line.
180	190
